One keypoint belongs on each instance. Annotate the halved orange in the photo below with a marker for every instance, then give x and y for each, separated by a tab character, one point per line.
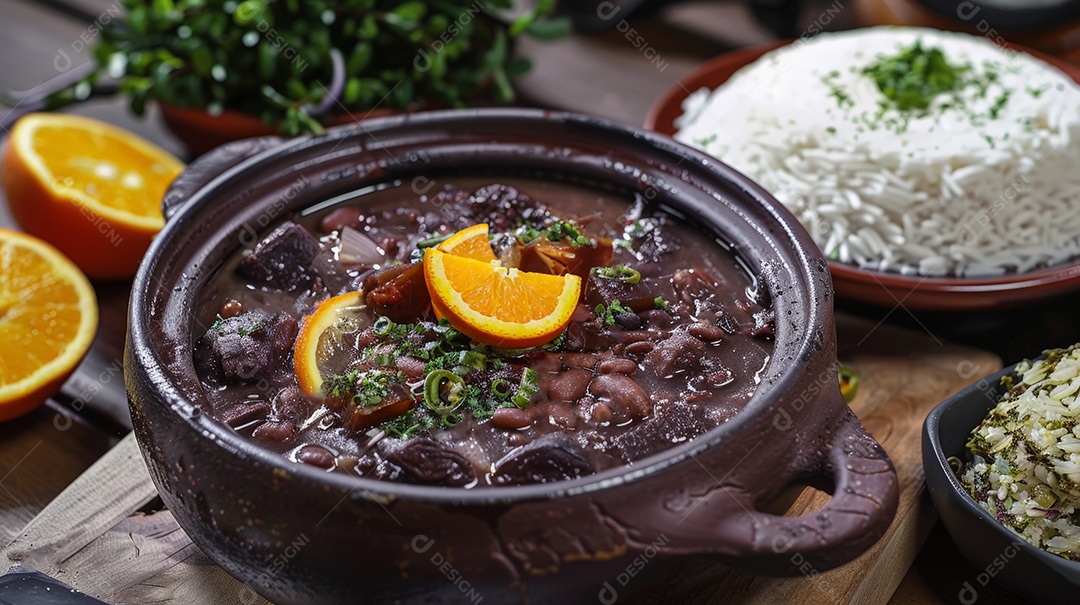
320	333
500	306
48	317
471	242
87	187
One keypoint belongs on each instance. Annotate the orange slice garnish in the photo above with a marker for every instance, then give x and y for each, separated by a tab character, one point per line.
321	336
48	317
471	242
89	188
500	306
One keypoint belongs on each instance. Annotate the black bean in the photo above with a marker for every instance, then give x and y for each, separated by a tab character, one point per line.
292	404
243	414
629	321
511	418
315	455
231	309
707	332
720	377
340	218
618	365
628	400
579	360
639	348
515	439
275	431
570	385
563	415
601	412
657	318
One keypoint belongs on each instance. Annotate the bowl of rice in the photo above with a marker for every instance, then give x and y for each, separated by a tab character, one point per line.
1002	463
934	169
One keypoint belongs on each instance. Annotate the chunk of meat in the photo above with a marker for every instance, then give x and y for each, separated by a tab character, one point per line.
559	253
246	348
429	462
678	353
398	293
639	297
281	260
503	208
553	457
650	240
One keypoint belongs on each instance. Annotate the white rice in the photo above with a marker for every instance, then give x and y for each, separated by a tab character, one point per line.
1025	469
944	196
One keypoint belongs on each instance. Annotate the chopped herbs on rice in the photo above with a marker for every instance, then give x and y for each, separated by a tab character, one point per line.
907	150
1025	467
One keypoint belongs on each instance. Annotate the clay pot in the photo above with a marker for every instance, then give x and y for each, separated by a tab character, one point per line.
297	534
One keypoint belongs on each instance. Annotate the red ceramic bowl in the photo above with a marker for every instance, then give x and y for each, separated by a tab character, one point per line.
877	287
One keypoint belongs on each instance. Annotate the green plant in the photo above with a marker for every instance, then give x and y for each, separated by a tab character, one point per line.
294	63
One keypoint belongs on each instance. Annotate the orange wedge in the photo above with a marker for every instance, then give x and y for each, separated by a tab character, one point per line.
500	306
471	242
89	188
320	335
48	317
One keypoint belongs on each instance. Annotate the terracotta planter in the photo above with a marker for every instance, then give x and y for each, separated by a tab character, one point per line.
200	132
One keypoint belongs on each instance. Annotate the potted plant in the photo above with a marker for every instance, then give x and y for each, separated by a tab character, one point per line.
226	69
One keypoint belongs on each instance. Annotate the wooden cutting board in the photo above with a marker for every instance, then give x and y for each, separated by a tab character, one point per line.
147	558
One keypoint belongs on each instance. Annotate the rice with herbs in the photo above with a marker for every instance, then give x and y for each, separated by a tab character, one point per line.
1025	469
906	149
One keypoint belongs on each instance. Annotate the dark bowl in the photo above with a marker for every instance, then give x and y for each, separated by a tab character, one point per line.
297	534
878	287
999	554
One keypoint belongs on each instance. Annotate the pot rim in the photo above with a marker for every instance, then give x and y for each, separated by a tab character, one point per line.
664	151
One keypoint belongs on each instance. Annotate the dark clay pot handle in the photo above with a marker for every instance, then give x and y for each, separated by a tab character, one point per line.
863	505
210	165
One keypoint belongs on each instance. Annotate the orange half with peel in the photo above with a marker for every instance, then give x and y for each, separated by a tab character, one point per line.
471	242
48	318
321	334
500	306
89	188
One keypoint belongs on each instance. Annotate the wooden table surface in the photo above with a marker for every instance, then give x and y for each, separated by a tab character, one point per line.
606	75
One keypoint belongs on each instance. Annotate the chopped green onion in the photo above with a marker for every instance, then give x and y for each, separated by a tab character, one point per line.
565	229
470	360
382	326
385	360
528	235
434	240
443	391
500	388
526	389
622	273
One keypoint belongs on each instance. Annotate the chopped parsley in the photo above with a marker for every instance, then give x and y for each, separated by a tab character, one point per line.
836	91
608	313
660	303
363	389
249	330
915	76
